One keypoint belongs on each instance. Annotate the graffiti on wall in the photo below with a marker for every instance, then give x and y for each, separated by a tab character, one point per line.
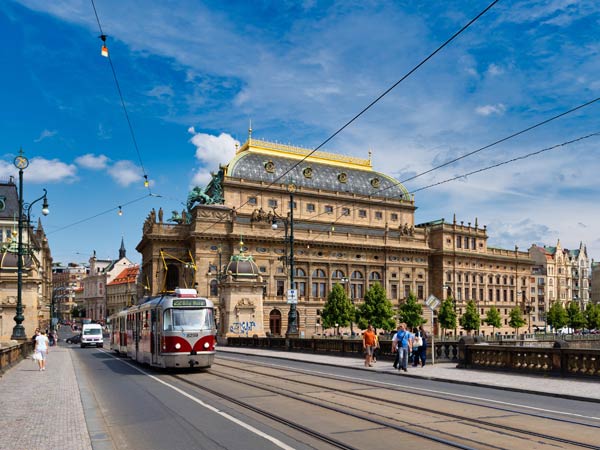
242	327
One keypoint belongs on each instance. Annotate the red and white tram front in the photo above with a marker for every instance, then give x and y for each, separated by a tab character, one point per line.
188	331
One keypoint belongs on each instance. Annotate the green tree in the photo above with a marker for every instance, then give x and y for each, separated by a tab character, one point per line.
411	312
338	309
493	318
376	310
576	318
470	320
557	316
592	316
447	315
516	320
77	312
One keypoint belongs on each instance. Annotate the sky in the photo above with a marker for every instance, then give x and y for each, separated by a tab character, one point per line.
193	75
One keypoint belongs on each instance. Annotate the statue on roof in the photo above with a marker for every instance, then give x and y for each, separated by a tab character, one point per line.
212	194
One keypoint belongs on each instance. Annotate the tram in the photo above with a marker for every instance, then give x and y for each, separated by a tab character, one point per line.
170	331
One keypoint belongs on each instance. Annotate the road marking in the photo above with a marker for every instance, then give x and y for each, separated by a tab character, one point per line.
223	414
470	397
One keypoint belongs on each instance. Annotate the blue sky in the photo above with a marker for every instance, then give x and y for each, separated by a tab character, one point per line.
194	73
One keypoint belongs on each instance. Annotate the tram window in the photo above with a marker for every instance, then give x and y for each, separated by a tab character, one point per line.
188	319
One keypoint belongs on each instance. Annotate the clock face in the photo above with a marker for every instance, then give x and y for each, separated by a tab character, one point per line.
21	162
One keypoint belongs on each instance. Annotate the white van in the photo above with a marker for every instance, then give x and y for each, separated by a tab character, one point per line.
91	334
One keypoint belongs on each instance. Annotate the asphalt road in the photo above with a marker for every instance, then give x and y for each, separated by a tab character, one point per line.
147	409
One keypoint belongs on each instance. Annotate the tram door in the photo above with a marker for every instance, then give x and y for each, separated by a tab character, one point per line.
136	337
154	344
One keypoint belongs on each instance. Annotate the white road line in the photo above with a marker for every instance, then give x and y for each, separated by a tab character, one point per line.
223	414
316	372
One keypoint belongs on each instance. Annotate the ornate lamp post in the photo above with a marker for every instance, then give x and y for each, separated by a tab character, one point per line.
21	163
292	330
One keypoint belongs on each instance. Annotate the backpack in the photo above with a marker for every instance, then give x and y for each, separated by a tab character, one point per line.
418	341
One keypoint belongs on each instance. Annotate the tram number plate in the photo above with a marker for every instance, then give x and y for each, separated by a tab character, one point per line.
191	335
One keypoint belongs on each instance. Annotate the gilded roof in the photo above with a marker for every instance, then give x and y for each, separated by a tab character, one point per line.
264	161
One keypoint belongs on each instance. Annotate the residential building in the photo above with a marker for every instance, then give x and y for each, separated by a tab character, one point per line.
121	292
595	282
580	266
65	281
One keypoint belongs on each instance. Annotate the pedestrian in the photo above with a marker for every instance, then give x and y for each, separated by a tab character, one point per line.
416	349
403	342
395	346
423	350
368	345
36	334
41	350
375	347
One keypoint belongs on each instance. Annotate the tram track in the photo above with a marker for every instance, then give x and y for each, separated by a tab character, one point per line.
336	443
486	424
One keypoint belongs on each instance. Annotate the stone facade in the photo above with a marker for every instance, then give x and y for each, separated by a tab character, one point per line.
595	282
351	225
36	292
121	292
65	281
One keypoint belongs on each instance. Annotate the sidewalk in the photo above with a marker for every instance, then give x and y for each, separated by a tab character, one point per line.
43	410
577	389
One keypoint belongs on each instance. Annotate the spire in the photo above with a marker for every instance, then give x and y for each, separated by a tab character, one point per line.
122	250
249	130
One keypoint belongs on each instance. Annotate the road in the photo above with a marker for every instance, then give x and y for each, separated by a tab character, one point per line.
255	403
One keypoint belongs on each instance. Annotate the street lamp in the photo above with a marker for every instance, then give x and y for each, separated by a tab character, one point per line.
292	330
21	163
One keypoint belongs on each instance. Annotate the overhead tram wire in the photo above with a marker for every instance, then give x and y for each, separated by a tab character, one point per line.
458	177
112	67
518	158
370	105
114	208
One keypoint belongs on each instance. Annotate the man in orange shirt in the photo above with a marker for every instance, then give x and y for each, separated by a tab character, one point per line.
369	340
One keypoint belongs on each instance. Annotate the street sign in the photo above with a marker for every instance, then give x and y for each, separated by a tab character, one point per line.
292	296
433	302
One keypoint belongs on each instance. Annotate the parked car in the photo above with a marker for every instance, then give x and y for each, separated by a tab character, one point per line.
75	339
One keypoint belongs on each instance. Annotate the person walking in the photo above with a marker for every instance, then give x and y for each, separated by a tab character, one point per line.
42	346
375	347
423	349
416	349
403	342
368	345
395	347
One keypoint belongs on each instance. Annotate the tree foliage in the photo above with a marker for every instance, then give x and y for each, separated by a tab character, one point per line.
338	309
447	314
557	316
576	318
592	316
376	310
516	319
493	319
411	312
470	320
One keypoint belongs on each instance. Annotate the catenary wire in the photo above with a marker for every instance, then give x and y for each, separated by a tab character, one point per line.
457	177
129	124
369	106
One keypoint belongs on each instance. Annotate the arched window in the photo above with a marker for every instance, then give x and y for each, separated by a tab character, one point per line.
491	279
300	282
318	273
337	274
375	276
357	286
300	272
214	287
505	279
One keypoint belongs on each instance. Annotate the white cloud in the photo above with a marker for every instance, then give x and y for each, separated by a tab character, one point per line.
161	92
93	162
42	170
494	70
487	110
125	173
210	152
46	134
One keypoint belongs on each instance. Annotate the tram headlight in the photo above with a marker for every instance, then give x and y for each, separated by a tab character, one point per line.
206	345
177	346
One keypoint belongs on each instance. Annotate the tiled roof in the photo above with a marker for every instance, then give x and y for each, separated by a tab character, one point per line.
128	275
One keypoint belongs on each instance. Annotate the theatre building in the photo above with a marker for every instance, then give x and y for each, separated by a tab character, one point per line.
351	225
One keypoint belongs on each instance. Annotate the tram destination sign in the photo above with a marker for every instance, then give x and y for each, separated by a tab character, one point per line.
189	302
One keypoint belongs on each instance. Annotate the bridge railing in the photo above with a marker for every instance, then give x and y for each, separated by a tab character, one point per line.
11	354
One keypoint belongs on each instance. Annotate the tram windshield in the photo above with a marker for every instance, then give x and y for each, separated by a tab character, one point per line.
188	319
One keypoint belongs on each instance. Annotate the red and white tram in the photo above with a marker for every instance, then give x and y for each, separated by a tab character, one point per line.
171	331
